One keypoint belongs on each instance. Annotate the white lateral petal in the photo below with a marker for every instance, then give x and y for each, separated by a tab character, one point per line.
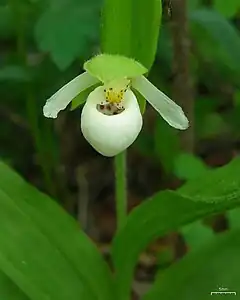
65	95
110	135
169	110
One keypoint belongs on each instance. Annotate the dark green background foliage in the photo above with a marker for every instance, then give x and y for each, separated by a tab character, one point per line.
195	195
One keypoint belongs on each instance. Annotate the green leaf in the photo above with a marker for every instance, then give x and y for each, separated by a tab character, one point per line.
213	125
227	9
15	73
145	144
216	185
107	67
188	166
208	123
232	119
54	259
212	58
166	144
221	31
233	217
131	27
196	234
217	191
210	268
66	28
165	54
7	30
193	4
33	265
236	98
8	290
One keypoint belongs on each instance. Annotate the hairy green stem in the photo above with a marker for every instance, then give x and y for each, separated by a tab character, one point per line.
120	164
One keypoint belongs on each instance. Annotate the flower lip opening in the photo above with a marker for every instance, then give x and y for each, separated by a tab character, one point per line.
114	94
110	109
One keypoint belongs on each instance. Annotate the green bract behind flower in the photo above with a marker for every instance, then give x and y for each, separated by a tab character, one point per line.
107	67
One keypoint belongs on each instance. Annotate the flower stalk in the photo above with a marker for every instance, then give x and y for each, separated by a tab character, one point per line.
120	167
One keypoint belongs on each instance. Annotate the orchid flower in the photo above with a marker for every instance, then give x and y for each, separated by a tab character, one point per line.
111	118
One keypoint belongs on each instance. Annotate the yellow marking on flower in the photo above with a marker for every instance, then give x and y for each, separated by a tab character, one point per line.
114	90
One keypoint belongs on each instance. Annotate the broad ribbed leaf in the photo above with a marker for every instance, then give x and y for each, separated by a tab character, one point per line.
196	234
217	191
187	166
53	258
212	268
215	186
9	291
29	258
233	217
131	27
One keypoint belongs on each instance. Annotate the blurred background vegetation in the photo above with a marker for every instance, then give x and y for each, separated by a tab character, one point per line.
44	44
